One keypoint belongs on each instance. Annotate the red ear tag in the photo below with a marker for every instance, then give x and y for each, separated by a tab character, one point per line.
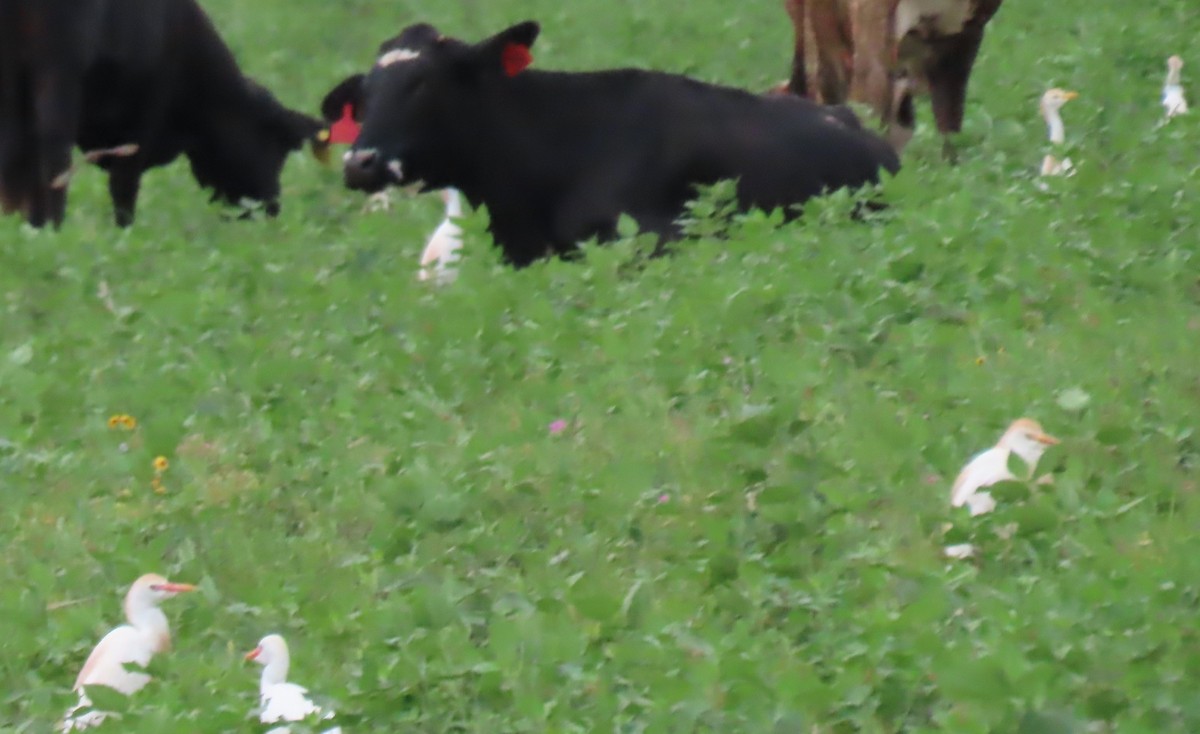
516	58
345	130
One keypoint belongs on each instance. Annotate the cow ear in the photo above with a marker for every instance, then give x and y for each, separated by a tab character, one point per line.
348	92
285	125
508	50
296	128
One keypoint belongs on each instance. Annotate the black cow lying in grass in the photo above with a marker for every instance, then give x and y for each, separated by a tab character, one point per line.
134	84
557	157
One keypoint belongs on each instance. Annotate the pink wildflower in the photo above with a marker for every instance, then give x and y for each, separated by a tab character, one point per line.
557	427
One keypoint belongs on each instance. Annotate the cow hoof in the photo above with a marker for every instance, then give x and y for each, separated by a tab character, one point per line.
949	152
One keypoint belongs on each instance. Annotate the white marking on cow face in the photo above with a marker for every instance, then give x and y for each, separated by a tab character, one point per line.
397	55
362	156
396	169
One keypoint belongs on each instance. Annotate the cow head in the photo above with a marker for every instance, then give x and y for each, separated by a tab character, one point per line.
243	148
419	88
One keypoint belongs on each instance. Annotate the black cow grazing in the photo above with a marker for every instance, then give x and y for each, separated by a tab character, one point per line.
134	84
557	157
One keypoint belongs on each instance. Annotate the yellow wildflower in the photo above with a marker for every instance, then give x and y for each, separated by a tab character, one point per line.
161	464
980	360
129	422
115	420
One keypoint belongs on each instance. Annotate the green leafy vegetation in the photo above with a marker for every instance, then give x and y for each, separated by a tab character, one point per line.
738	527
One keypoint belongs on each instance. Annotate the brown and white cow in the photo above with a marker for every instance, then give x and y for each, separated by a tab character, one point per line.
881	52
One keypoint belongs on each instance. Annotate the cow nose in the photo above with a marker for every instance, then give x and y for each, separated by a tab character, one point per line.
363	169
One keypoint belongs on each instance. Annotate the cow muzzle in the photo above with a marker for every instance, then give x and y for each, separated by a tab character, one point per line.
367	170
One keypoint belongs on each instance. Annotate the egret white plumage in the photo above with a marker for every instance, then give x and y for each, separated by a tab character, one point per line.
1050	105
441	252
1027	439
146	635
280	700
1173	101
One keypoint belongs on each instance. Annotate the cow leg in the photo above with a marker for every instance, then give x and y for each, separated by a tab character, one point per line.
900	132
124	182
948	71
17	175
834	50
873	27
57	101
799	81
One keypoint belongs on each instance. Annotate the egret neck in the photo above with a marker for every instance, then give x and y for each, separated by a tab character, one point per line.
453	203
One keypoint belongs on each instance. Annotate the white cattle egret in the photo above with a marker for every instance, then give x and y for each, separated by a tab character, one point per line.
1051	102
146	635
1173	101
1025	438
441	252
960	551
280	700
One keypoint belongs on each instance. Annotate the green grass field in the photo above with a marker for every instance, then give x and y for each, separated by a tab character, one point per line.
740	529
